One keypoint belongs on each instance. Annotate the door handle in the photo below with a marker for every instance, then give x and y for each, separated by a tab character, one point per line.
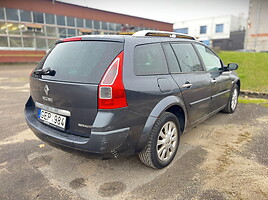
187	85
213	81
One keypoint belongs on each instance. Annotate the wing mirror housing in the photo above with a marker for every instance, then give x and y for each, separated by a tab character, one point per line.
232	66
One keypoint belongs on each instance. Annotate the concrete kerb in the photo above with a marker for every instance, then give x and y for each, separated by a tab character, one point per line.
253	94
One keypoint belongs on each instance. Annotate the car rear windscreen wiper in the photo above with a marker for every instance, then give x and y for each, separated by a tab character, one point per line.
45	71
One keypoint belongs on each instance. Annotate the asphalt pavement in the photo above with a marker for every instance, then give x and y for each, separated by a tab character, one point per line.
224	157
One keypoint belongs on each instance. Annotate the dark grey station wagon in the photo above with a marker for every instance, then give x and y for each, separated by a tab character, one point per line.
113	96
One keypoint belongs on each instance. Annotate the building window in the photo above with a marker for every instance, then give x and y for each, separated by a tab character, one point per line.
96	24
50	19
111	26
60	20
118	27
71	32
104	26
2	15
88	23
70	21
13	28
25	16
3	28
62	32
38	17
3	42
79	22
12	14
15	42
181	30
51	31
28	42
41	43
219	28
203	29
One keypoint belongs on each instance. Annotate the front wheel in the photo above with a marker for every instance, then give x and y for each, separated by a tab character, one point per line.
233	101
163	142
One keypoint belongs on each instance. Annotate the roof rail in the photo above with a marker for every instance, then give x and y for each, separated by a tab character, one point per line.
163	34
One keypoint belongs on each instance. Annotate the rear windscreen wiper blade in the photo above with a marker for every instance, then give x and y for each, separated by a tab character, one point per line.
45	71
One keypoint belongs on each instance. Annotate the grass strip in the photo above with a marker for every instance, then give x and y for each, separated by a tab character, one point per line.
253	69
262	102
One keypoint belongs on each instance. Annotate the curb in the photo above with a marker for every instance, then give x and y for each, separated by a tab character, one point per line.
252	94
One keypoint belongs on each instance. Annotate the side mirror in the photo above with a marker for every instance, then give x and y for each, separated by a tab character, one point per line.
232	66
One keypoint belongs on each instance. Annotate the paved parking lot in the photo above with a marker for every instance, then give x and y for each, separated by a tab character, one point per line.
225	157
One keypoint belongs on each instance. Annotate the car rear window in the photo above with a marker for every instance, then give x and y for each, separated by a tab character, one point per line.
81	61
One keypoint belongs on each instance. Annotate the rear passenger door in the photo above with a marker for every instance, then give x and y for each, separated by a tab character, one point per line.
151	81
194	82
220	82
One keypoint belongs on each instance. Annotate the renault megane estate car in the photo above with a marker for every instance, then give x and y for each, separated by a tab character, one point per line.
112	95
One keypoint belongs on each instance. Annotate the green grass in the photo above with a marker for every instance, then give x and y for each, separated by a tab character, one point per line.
262	102
253	69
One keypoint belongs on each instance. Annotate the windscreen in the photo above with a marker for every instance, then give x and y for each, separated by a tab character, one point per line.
81	61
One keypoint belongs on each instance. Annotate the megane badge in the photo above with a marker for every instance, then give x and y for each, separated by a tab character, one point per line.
46	89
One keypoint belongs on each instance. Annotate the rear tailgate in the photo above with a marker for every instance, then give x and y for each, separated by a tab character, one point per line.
72	93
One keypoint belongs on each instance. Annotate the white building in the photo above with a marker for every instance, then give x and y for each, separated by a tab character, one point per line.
209	29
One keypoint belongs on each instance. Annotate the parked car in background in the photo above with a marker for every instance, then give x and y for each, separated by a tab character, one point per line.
112	96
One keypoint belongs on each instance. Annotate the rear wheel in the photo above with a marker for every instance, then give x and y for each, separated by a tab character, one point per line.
233	101
163	143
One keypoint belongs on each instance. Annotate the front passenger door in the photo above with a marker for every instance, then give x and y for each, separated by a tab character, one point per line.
220	83
193	81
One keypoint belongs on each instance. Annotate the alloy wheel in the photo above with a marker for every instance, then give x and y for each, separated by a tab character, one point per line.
167	141
234	99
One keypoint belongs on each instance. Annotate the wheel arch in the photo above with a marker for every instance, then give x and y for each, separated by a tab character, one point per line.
178	111
238	83
172	104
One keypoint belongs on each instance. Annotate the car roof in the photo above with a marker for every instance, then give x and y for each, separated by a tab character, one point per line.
123	38
141	36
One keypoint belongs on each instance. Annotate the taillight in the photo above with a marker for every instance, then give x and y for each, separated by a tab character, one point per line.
111	89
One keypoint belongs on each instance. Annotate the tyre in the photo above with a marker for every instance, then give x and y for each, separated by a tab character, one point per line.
163	142
233	101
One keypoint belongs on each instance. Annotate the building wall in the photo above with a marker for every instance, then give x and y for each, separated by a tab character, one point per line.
30	25
59	8
257	31
230	23
235	42
238	23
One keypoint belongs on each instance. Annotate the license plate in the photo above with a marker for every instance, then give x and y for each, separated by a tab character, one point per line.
52	118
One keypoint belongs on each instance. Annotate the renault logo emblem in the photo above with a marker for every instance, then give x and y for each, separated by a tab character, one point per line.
46	89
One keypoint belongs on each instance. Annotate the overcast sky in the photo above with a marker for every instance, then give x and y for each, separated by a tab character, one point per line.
169	10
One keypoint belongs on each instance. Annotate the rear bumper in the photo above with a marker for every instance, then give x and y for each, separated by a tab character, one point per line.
103	144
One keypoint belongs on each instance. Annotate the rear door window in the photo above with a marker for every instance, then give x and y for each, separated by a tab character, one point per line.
187	57
81	61
149	59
